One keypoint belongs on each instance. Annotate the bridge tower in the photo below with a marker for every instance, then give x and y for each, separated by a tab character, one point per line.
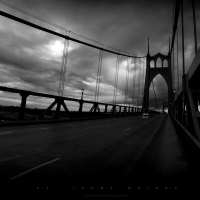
153	68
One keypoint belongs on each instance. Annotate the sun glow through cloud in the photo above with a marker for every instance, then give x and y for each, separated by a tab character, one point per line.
56	47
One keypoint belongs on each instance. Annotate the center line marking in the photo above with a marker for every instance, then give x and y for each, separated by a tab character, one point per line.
32	169
5	132
10	158
127	129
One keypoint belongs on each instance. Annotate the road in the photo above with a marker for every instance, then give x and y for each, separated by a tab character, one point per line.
102	151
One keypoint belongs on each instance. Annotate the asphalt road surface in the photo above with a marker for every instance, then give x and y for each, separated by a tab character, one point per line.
131	150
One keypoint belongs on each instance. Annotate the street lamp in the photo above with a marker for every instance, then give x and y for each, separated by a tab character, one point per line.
82	94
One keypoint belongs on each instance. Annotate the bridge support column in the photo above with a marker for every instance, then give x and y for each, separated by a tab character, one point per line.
57	115
113	109
23	105
120	110
124	110
106	109
95	108
81	106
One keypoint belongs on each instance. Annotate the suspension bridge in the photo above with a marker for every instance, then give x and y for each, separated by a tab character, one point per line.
115	143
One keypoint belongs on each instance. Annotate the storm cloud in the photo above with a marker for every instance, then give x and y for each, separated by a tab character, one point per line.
31	59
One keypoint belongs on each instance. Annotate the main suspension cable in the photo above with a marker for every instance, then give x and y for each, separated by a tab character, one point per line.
14	7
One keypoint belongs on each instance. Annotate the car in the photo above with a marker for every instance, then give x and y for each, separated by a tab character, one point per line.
145	115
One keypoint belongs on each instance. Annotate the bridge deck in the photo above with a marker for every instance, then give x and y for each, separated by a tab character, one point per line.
128	150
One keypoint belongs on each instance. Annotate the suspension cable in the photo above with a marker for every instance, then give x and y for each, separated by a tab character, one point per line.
137	88
177	60
126	82
133	94
116	80
98	78
128	78
143	81
173	68
12	6
139	64
63	68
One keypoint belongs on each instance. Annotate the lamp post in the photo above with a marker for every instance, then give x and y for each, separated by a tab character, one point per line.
82	94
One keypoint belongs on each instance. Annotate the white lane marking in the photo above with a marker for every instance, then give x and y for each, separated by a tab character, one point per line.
10	158
6	132
32	169
127	129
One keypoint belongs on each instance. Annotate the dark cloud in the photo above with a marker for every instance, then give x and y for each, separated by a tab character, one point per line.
124	25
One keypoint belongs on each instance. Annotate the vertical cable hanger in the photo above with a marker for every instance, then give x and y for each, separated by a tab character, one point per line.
136	83
126	83
128	78
98	78
194	26
172	65
133	94
139	66
63	68
177	60
116	80
143	80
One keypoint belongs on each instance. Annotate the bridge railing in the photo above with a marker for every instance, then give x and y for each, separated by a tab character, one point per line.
185	108
117	110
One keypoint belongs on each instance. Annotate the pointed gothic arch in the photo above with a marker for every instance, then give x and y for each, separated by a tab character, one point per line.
162	87
152	64
159	62
151	73
165	63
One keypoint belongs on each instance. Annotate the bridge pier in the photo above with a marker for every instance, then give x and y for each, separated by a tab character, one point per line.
129	108
81	106
24	96
120	108
113	109
60	101
124	110
106	109
95	108
57	115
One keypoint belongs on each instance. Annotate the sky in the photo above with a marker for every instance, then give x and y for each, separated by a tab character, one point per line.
31	59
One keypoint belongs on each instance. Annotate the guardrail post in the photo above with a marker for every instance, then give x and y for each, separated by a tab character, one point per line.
24	96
